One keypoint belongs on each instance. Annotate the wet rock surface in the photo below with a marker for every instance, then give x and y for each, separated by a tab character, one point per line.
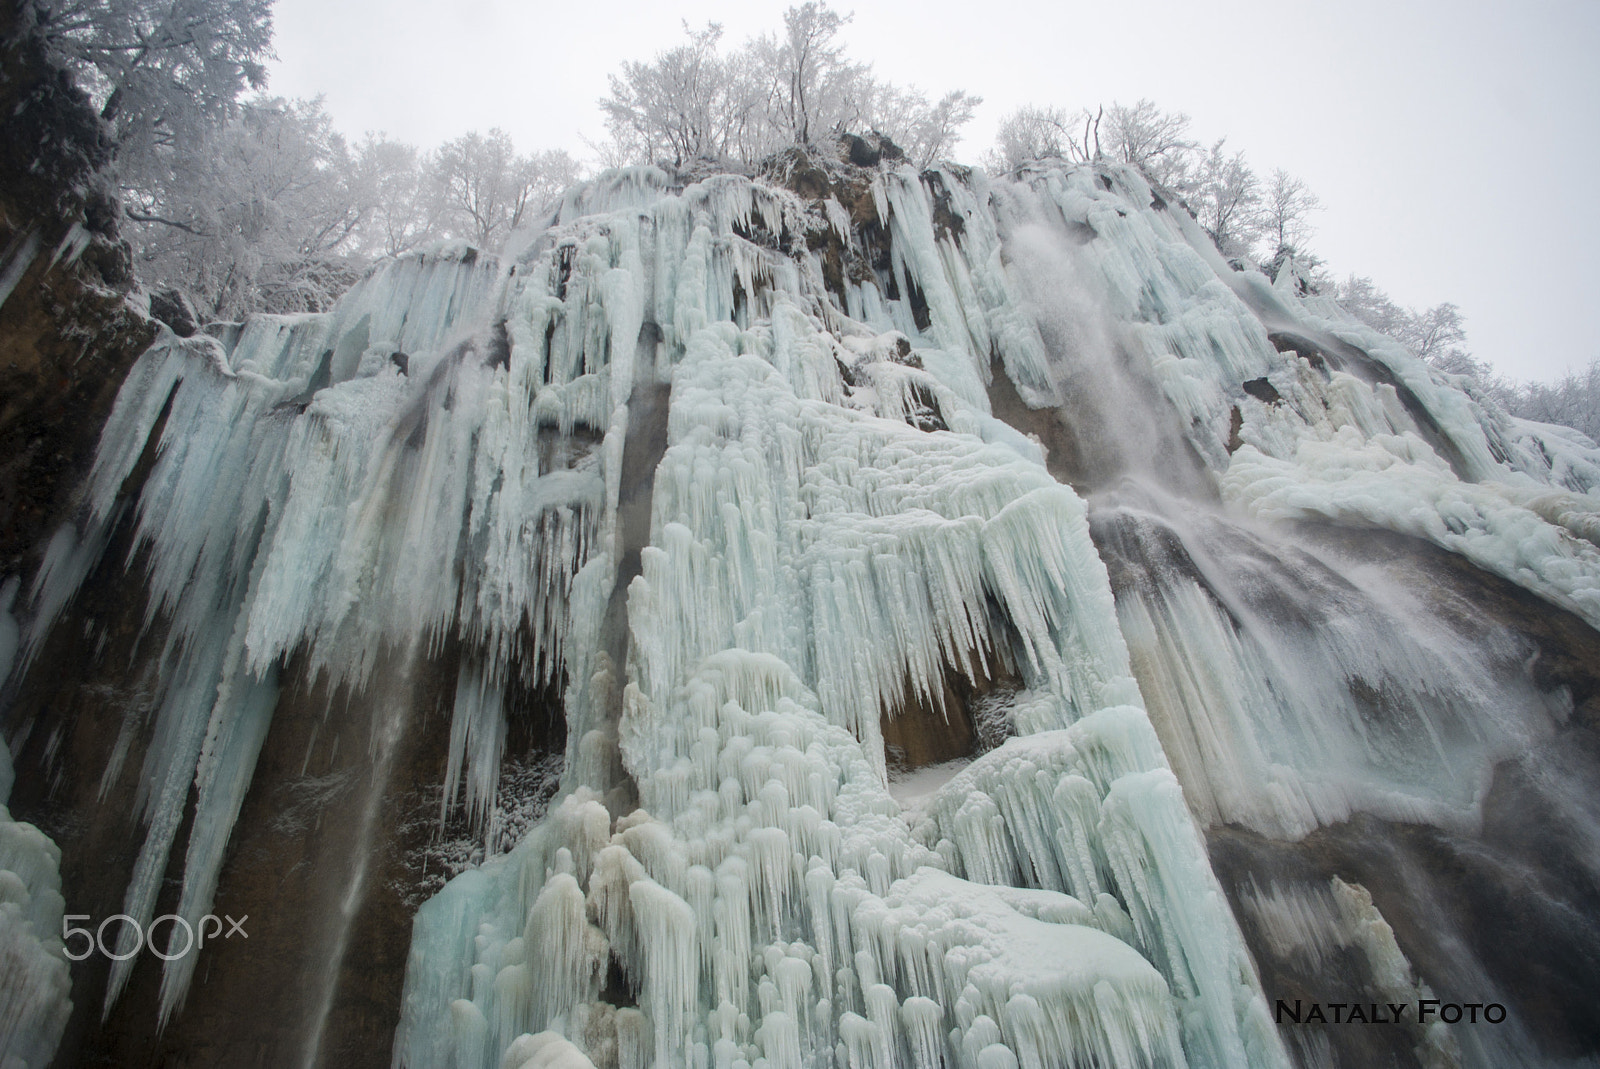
1508	914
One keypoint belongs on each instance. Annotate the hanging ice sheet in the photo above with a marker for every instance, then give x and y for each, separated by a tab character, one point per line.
814	555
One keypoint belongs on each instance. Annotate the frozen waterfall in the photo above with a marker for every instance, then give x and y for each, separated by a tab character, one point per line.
841	618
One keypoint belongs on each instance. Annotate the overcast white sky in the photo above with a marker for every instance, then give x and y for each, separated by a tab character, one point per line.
1454	144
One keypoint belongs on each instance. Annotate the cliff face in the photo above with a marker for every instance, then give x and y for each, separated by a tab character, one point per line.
971	625
67	339
67	334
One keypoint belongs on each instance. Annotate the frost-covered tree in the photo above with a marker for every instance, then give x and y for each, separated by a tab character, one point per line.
927	132
815	90
1573	400
1153	140
260	214
485	190
1361	298
1225	196
1437	335
1142	134
274	212
744	118
1037	133
798	87
163	72
1286	207
388	175
679	106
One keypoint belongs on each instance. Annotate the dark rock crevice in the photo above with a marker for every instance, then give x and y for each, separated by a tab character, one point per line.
967	712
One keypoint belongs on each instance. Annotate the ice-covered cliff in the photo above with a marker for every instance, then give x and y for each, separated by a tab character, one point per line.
971	625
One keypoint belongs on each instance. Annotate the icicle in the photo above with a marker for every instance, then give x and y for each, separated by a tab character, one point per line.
671	973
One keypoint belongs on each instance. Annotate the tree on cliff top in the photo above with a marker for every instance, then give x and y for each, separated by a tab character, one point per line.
1153	140
795	88
1142	134
161	71
682	105
261	214
486	190
814	89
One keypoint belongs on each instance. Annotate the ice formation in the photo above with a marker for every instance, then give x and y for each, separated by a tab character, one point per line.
838	525
34	986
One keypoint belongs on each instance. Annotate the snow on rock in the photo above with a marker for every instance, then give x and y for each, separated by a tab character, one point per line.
547	1050
1061	991
1538	537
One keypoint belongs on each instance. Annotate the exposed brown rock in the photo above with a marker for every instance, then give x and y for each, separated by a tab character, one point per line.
1262	390
930	730
1235	425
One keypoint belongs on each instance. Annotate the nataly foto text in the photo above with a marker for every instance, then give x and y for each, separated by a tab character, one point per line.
1424	1011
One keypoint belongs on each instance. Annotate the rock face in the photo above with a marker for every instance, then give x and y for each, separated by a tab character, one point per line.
67	339
67	334
837	617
